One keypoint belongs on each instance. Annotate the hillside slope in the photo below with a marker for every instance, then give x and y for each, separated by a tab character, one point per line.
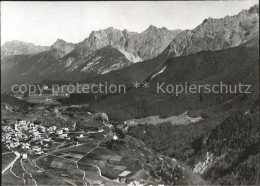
230	152
49	65
231	66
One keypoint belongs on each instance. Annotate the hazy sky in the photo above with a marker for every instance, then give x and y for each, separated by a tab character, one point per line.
43	23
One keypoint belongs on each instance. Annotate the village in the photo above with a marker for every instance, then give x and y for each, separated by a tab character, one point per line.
29	138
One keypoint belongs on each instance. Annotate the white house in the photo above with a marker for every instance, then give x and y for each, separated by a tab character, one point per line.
45	87
23	122
36	148
65	129
52	129
59	132
63	135
115	137
24	156
47	139
80	136
39	153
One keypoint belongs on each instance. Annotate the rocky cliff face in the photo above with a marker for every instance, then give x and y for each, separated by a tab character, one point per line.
63	46
135	46
217	34
20	48
101	61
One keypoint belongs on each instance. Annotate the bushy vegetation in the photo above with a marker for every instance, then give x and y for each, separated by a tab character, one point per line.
171	175
171	140
236	141
161	167
245	172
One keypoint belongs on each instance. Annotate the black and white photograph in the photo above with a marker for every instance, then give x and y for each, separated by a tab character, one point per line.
135	93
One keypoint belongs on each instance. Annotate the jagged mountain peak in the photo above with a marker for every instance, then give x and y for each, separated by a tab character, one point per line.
208	20
135	46
59	41
62	42
152	28
164	28
254	9
216	34
107	30
110	28
126	32
63	47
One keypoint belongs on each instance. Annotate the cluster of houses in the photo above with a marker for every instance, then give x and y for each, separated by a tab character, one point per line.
31	137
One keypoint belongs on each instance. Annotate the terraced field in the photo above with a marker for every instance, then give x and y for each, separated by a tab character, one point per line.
91	163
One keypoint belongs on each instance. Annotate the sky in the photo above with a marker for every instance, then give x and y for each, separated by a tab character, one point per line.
42	23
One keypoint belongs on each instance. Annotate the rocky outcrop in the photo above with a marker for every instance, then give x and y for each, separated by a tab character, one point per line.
63	46
101	61
135	46
205	164
101	117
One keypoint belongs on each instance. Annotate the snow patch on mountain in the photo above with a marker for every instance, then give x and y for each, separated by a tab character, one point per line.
161	71
113	67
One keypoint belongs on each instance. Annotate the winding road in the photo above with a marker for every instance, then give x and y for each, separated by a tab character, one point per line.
10	166
16	175
12	163
21	161
84	173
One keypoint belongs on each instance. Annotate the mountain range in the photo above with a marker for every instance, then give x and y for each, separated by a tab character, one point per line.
104	51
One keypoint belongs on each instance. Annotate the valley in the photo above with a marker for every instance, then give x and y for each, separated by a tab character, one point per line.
76	154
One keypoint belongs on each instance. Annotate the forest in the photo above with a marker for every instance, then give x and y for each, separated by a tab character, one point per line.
234	143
